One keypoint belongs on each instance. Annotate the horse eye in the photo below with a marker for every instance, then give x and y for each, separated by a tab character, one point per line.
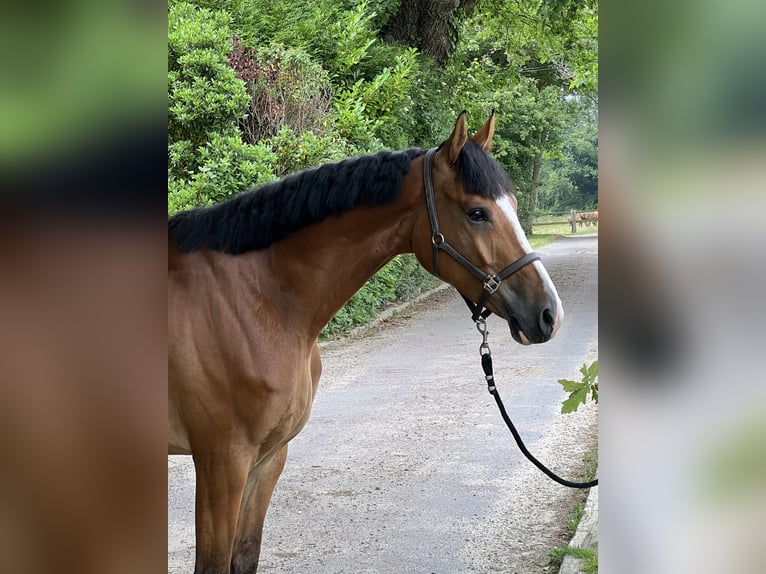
477	214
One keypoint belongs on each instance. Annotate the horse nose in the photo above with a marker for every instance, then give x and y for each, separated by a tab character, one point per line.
547	322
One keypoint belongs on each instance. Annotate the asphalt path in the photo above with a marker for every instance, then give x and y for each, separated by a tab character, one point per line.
405	465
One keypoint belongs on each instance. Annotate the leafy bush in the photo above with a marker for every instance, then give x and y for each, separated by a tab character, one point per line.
207	160
287	89
353	35
204	93
304	24
578	390
227	166
295	152
411	279
387	98
369	111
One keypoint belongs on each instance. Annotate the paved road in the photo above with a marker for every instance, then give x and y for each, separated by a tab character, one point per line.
405	465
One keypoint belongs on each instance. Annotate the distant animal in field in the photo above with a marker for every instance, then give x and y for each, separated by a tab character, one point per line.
577	219
590	218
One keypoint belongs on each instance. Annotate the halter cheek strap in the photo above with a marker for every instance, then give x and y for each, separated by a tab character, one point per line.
490	283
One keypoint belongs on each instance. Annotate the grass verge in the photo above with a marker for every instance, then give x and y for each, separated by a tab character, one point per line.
542	239
588	557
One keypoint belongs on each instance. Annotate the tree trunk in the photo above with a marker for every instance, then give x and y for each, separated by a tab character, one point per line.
533	192
429	25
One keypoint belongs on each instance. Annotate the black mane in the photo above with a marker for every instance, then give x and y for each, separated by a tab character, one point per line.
258	218
480	174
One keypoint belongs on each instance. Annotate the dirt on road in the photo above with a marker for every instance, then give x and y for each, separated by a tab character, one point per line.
406	466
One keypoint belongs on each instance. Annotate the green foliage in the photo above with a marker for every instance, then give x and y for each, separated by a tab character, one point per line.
558	193
372	102
295	152
388	98
204	94
384	10
574	519
554	42
286	88
578	390
434	107
353	35
574	30
570	181
411	278
227	166
588	558
207	160
370	113
352	122
295	23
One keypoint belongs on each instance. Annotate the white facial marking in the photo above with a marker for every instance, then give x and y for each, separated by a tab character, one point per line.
507	208
505	204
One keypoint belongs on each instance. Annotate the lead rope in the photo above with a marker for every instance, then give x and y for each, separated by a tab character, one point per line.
486	365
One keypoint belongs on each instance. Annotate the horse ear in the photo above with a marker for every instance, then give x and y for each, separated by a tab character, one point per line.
483	137
456	140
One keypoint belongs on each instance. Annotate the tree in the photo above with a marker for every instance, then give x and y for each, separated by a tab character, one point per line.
522	57
570	181
429	25
534	128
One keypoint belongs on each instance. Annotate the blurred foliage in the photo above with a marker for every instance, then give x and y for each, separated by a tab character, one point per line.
570	180
258	89
74	73
733	467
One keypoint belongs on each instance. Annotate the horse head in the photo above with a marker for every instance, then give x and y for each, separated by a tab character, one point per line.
475	213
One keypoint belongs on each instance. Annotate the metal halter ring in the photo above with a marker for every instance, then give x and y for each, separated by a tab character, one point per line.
491	285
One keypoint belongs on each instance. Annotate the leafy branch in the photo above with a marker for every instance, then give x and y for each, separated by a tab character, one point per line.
578	390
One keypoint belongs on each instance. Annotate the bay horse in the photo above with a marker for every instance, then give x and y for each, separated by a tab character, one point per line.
590	218
253	280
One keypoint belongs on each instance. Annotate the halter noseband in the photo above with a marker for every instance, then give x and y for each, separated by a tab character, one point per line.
490	283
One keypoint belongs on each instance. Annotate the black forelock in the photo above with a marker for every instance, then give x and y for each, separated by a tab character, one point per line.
480	174
258	218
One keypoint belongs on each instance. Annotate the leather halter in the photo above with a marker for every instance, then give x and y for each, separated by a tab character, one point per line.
490	283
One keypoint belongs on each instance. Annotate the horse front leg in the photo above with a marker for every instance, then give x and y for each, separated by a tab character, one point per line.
221	479
255	501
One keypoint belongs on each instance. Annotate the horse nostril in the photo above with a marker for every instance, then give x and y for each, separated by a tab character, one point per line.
546	321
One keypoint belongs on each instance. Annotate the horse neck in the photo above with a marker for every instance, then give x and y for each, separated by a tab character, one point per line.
324	264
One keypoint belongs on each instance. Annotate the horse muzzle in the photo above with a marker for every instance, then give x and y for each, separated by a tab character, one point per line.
535	323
